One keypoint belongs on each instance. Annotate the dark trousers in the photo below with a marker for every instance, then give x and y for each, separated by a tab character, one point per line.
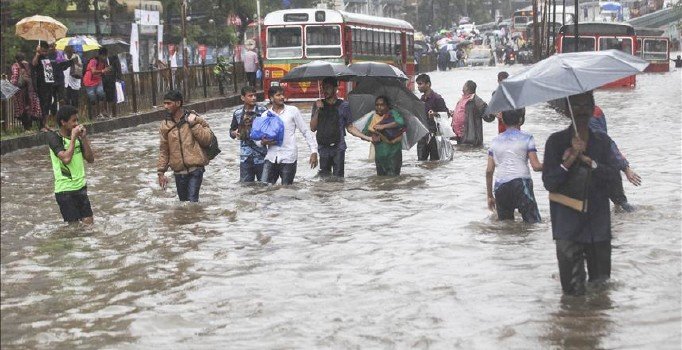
332	160
427	147
249	171
188	185
572	257
251	78
72	97
616	191
274	171
45	96
517	194
57	96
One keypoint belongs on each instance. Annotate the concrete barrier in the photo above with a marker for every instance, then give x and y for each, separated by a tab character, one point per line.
40	139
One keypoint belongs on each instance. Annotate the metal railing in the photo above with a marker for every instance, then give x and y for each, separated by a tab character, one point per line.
144	91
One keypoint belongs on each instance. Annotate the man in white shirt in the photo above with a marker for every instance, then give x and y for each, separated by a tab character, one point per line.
250	66
280	161
72	77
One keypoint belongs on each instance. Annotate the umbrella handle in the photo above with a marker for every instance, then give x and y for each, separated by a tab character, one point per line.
570	109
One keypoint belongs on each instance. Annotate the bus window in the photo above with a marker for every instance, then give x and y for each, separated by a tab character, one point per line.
365	41
323	41
520	22
638	52
284	42
622	44
410	45
655	49
584	44
376	44
356	41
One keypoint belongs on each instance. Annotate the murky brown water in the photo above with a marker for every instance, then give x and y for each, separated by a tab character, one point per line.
410	262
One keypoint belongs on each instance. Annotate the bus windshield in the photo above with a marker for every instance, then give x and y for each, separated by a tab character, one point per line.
323	41
284	42
584	44
655	49
622	44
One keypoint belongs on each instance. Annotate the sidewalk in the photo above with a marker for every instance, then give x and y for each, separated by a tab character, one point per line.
201	106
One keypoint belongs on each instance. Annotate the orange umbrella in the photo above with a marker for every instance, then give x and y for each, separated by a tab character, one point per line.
41	28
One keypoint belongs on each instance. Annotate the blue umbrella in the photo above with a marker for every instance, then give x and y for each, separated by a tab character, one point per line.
611	6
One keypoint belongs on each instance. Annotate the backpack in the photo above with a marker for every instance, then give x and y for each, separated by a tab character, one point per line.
328	130
212	150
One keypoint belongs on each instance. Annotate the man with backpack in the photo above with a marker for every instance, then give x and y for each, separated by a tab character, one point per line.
251	156
186	142
330	116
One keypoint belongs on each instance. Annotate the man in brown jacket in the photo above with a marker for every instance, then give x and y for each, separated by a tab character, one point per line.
183	134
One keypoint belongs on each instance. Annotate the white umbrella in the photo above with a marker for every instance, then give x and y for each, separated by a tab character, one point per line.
563	75
41	28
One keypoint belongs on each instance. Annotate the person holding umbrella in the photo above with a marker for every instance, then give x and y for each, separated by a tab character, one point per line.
45	70
26	102
386	128
330	116
581	236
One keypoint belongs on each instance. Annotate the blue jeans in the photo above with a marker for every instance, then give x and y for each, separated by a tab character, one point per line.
188	185
248	170
274	171
332	160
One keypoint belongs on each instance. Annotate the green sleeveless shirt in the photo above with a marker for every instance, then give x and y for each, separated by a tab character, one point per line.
67	177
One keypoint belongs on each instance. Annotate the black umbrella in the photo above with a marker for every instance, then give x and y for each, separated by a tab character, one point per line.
377	69
115	46
8	89
318	70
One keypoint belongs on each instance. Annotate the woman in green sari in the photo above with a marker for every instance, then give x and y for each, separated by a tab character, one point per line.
386	127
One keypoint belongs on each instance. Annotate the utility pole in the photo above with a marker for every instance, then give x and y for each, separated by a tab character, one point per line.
98	32
575	19
185	51
536	32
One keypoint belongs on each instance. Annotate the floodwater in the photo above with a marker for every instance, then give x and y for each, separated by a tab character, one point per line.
410	262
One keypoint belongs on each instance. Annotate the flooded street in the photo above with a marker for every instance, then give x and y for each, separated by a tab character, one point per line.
410	262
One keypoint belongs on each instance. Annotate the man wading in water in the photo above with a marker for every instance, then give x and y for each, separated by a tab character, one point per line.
581	236
69	146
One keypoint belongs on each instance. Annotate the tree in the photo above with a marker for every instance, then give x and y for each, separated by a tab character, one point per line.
11	44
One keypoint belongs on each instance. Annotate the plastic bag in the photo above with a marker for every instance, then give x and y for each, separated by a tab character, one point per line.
269	126
120	95
259	74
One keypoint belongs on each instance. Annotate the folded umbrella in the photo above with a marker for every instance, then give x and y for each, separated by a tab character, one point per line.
40	28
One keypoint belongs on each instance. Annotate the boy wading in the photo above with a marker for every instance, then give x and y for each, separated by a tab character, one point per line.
69	146
251	155
183	134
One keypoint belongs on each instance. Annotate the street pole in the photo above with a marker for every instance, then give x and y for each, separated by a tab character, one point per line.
185	52
98	32
575	16
536	32
258	19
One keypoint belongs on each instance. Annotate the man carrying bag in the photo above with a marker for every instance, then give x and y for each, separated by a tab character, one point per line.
185	136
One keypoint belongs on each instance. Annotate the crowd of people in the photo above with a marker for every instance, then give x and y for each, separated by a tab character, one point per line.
582	235
55	78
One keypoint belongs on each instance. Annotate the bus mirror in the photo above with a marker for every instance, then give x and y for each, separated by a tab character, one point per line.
320	16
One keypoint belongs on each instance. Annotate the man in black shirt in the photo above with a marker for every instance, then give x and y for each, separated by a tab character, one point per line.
581	235
46	72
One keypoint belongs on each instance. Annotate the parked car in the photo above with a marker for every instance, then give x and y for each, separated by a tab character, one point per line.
480	56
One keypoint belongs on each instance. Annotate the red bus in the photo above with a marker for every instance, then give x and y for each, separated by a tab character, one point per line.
653	48
298	36
599	37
